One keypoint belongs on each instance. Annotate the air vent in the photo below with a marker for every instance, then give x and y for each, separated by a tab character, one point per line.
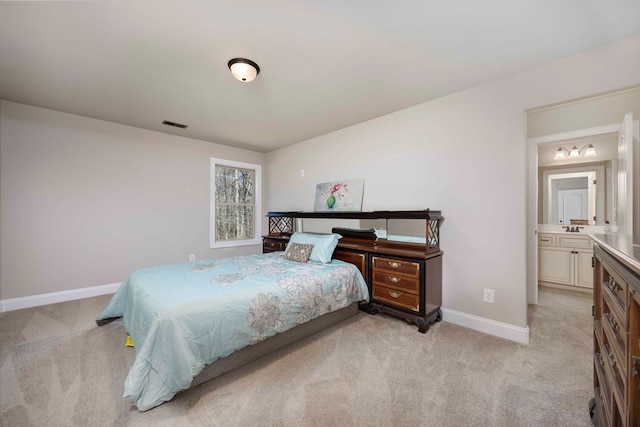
174	124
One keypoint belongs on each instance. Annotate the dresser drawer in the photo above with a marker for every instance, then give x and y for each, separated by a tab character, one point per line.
601	382
616	334
396	297
616	289
617	382
407	268
396	281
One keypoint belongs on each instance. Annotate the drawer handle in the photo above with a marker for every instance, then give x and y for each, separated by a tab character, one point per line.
610	353
394	279
613	285
636	364
394	294
545	240
394	264
612	321
600	359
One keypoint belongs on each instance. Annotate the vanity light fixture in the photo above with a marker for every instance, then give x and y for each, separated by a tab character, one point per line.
243	69
589	151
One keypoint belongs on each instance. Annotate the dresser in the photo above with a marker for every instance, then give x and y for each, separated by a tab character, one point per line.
616	330
404	278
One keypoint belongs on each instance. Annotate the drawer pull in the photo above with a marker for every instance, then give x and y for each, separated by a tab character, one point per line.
600	359
613	285
394	294
394	264
610	353
635	360
545	240
612	321
394	279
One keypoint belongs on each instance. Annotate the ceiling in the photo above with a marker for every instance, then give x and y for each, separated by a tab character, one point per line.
325	64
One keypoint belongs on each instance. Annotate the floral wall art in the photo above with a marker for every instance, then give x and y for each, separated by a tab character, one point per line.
343	195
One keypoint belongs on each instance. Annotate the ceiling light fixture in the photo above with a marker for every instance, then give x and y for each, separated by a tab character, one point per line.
589	151
243	69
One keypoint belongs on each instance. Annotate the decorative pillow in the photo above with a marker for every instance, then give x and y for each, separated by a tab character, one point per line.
323	244
298	252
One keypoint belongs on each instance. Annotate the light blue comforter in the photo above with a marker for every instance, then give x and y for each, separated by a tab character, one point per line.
182	317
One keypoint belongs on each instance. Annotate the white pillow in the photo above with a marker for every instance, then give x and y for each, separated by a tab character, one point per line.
323	244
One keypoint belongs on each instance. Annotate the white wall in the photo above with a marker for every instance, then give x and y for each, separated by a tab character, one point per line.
84	202
466	155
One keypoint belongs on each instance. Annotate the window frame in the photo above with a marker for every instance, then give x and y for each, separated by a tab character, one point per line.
257	211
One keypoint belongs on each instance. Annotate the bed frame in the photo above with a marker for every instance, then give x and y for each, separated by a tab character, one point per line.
276	342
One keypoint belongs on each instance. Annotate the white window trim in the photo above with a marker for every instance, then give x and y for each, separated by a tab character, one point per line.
257	220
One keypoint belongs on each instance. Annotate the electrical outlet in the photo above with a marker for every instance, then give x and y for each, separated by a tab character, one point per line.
192	257
301	173
488	296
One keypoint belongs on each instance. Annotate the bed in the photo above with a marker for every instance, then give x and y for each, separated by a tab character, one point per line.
190	317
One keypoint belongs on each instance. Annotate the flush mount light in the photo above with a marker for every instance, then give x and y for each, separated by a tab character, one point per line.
589	151
243	69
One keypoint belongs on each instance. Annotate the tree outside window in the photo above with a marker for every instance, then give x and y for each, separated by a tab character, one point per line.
235	203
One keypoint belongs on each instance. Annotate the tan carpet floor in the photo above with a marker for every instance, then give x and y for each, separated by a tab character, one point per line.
57	368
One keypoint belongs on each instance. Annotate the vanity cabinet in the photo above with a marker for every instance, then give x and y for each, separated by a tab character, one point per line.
616	331
565	261
404	278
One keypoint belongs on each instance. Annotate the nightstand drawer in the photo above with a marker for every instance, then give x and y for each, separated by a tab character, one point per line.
269	245
394	266
396	281
396	297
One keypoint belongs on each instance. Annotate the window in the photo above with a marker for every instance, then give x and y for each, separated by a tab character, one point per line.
235	203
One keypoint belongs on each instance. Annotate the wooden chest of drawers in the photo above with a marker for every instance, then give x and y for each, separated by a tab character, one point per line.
396	282
404	283
274	243
616	341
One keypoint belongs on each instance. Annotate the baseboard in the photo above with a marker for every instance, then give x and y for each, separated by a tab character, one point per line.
487	326
56	297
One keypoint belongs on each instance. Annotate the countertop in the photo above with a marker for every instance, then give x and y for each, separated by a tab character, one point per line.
625	248
568	233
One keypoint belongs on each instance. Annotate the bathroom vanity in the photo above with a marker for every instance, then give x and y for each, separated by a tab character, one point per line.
565	260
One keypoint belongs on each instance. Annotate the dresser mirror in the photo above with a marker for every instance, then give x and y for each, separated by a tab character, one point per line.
391	229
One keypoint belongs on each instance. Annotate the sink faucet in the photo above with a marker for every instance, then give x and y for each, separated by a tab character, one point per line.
575	229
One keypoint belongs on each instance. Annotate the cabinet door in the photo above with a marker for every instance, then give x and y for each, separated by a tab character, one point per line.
556	265
355	258
584	270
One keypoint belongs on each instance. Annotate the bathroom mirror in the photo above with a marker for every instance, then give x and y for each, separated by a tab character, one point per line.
582	193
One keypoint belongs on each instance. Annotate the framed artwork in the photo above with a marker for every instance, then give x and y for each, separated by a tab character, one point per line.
343	195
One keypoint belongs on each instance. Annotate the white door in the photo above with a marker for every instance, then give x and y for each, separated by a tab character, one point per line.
624	218
573	204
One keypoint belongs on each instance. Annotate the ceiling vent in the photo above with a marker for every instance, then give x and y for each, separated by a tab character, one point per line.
174	124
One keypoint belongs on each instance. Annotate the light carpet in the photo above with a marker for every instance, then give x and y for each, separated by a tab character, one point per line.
57	368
